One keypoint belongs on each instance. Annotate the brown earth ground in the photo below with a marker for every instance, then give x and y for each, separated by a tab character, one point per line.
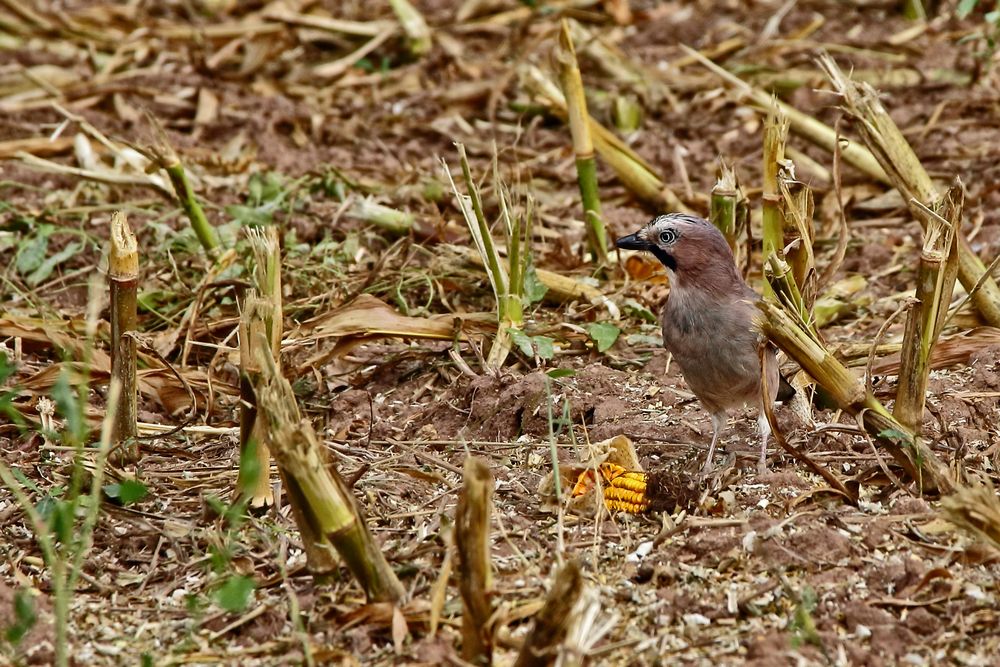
739	579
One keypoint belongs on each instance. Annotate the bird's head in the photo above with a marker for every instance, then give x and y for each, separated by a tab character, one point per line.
693	250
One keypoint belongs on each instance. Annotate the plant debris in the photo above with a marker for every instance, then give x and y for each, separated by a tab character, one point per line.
327	123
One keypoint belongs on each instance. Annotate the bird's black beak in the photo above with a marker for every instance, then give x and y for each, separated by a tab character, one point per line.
632	242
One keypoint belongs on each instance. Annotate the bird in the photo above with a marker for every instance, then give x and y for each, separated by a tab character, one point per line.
708	322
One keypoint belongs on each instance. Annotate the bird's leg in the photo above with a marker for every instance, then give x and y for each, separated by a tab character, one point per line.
765	430
718	425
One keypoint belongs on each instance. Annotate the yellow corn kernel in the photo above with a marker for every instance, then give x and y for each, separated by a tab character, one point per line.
584	483
634	481
625	500
624	506
609	471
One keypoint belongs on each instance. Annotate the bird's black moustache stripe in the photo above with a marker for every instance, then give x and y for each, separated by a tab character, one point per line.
665	259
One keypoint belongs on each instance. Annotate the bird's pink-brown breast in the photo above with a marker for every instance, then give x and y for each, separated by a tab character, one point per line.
714	341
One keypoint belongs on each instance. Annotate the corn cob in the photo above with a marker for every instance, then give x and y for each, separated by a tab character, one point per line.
624	490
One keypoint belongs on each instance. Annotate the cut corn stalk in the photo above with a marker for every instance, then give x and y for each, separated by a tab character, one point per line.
162	154
787	212
418	34
797	220
262	315
728	209
560	287
634	172
908	175
391	220
583	146
775	135
837	300
253	481
789	79
626	113
976	510
329	510
914	10
785	290
791	333
542	646
123	280
802	124
475	567
925	319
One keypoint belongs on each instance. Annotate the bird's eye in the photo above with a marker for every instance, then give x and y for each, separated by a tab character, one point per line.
668	236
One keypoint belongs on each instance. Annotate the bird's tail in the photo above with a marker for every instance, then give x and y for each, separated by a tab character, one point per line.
785	389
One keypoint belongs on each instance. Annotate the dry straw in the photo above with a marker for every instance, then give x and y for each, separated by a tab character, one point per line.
475	567
327	512
907	174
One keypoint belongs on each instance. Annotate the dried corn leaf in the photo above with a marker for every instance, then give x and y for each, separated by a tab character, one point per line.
368	317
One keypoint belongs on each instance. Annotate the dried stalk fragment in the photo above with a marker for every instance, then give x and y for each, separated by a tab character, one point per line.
418	34
328	507
908	175
935	279
162	154
552	623
796	339
123	281
475	568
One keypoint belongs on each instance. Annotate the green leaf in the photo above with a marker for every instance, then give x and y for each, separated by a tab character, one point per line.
644	340
256	188
896	436
249	216
250	464
534	289
126	492
557	373
802	623
9	392
965	8
48	266
32	252
544	347
61	518
7	367
24	617
523	342
216	505
234	595
265	188
636	309
70	408
604	335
